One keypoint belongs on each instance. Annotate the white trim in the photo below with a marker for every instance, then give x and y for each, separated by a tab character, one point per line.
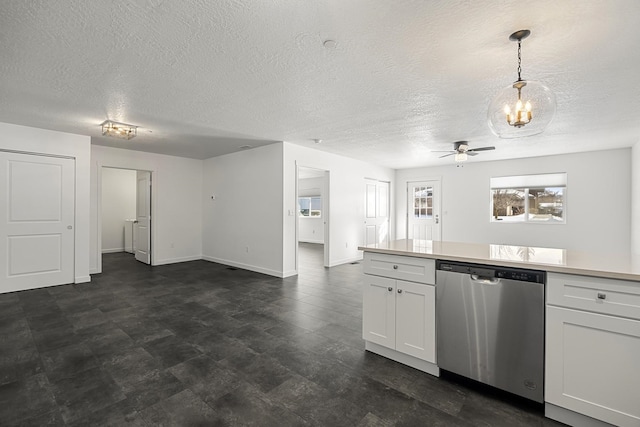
176	260
82	279
245	266
403	358
345	261
112	250
289	273
571	418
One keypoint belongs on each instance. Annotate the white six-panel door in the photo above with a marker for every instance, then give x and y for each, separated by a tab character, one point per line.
37	221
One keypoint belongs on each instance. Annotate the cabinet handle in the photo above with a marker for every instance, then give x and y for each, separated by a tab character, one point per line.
395	267
602	296
390	289
399	291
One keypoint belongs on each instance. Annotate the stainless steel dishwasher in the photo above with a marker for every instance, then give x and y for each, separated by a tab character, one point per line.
490	325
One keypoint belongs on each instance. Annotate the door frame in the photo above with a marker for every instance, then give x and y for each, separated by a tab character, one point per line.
407	182
326	202
153	195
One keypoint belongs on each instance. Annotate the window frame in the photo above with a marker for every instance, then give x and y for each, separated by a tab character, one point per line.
526	183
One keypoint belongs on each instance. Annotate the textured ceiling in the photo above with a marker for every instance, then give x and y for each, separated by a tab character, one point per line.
203	78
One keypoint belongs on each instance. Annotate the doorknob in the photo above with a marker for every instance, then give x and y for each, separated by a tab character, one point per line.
437	219
69	227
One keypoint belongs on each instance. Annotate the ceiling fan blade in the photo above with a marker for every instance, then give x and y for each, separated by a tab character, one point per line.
481	149
447	155
444	151
471	153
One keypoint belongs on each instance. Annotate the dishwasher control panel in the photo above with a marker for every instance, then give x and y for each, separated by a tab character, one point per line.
507	273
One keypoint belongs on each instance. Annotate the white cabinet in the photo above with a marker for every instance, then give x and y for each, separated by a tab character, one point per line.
398	314
593	349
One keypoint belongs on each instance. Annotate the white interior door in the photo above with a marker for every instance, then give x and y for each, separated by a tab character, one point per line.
376	217
143	217
423	210
37	221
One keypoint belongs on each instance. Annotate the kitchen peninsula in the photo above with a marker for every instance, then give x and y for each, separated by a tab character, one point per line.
591	319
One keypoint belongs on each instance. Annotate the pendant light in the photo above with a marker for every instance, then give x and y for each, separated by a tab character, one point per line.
523	108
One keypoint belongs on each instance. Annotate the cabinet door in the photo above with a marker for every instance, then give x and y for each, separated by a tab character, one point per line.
592	365
379	310
416	320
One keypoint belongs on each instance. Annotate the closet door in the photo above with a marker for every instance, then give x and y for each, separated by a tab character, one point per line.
37	221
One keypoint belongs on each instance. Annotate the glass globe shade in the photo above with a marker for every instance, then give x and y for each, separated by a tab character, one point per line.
538	97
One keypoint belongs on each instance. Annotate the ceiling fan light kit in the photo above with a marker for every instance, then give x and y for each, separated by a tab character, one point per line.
461	151
525	107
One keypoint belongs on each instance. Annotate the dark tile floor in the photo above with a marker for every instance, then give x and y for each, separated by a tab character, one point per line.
198	343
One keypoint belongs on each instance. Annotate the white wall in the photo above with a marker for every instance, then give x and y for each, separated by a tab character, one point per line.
345	201
27	139
311	229
242	227
176	202
597	202
635	199
118	204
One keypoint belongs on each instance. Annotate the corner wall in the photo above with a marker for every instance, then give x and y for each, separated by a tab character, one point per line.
242	224
33	140
598	206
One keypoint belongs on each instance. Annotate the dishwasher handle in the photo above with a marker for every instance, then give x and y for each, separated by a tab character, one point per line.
484	279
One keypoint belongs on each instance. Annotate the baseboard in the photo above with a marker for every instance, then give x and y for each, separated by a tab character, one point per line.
289	273
571	418
316	242
245	266
345	261
112	250
82	279
176	260
94	271
403	358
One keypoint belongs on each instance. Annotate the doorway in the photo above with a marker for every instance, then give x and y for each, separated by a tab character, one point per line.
124	213
312	225
423	210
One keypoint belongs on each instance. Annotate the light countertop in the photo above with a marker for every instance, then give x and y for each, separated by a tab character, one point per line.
613	266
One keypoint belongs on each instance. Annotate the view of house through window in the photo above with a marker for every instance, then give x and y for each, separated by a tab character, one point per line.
310	206
529	198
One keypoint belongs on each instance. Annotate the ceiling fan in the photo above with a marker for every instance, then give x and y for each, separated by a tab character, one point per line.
461	150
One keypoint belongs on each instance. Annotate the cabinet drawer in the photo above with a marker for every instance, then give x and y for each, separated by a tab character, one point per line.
421	270
607	296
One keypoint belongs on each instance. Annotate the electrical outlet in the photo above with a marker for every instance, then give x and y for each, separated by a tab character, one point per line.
246	249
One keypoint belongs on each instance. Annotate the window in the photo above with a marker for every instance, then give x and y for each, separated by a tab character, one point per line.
422	202
310	207
529	198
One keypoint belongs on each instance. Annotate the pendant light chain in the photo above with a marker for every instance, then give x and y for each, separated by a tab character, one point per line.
519	60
